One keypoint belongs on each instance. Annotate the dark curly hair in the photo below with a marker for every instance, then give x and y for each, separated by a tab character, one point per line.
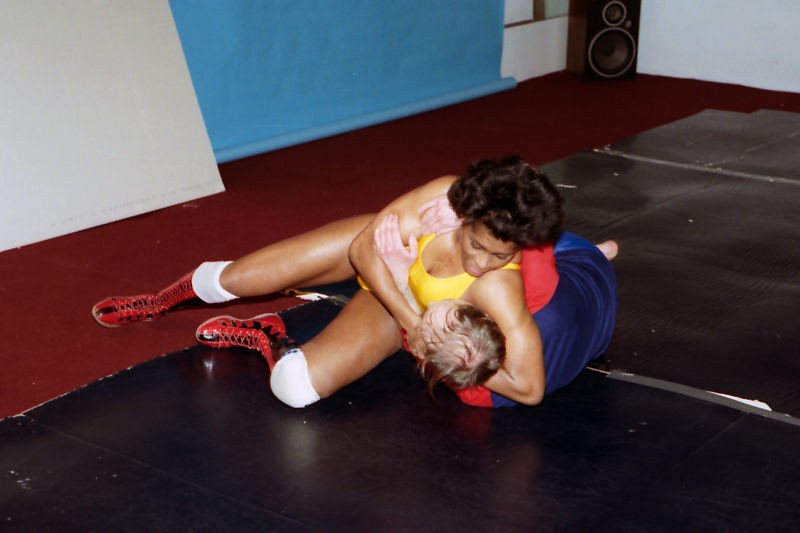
514	200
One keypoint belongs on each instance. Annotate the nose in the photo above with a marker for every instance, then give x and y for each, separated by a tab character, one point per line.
483	262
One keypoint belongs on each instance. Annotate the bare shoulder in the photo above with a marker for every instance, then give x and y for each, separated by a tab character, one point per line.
419	195
499	292
432	189
443	182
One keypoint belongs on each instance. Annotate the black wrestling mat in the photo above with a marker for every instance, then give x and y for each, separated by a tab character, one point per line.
195	441
760	145
707	212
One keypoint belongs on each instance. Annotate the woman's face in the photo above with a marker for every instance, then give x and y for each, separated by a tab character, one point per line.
482	252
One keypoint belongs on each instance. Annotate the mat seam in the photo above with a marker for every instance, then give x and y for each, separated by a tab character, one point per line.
698	394
701	168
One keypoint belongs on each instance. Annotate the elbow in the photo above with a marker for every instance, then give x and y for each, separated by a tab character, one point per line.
353	258
355	252
527	393
532	397
532	393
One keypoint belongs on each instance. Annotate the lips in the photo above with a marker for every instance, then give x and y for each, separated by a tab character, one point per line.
472	271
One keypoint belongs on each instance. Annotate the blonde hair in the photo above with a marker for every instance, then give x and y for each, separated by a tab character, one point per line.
471	350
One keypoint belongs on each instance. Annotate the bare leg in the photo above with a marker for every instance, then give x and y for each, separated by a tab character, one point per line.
355	342
358	339
312	258
316	257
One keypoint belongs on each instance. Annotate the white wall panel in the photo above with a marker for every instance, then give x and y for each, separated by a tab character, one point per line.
731	41
536	49
517	11
98	118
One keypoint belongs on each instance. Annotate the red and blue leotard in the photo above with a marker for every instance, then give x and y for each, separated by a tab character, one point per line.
576	320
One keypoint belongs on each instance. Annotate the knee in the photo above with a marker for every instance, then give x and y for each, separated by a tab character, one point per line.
290	381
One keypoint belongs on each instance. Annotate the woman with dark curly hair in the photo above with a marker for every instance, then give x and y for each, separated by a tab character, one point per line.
502	207
464	346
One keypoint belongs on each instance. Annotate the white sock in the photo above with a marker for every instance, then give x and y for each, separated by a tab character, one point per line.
290	382
205	282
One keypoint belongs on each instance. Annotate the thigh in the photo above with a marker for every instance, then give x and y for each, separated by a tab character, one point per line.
316	257
355	342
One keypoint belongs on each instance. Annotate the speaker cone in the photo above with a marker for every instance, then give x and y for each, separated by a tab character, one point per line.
614	13
611	52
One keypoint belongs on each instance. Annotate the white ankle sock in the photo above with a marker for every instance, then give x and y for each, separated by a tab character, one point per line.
205	282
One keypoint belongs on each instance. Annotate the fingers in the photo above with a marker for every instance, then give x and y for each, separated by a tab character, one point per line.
421	339
388	239
430	213
384	229
432	203
393	228
416	343
413	247
438	217
380	235
430	210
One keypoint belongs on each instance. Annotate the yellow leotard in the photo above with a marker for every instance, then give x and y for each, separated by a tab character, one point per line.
427	288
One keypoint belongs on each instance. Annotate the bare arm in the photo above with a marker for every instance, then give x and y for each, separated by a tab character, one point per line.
365	259
522	376
397	258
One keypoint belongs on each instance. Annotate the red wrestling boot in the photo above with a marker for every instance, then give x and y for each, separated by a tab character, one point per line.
119	310
265	333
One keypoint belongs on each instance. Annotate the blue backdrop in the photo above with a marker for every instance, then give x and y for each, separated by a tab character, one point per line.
272	73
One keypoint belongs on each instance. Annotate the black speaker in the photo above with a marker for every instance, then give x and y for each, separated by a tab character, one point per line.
603	38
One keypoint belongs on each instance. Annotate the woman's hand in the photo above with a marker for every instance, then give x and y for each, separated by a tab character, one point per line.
417	339
436	216
390	248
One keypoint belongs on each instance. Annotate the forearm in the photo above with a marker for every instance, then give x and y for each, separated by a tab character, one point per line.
400	278
400	304
405	290
521	391
522	375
